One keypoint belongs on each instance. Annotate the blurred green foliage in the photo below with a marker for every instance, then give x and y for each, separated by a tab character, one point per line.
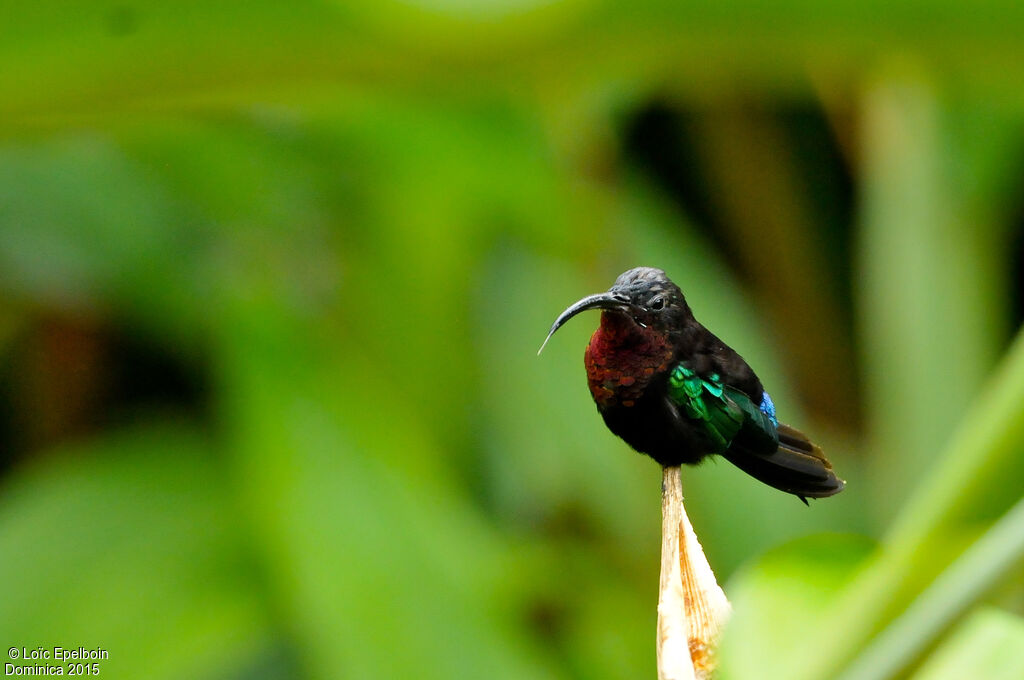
275	275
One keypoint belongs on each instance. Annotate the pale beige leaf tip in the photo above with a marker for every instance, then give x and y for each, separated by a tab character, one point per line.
692	608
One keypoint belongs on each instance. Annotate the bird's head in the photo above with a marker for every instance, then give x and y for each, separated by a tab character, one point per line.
644	296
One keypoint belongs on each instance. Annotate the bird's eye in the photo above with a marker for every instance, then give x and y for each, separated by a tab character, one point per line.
657	303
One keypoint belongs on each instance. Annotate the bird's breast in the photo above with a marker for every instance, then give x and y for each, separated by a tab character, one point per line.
622	359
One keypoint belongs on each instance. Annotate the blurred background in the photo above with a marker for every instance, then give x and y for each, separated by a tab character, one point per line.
274	276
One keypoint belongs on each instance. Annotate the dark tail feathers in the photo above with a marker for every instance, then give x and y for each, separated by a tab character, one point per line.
798	466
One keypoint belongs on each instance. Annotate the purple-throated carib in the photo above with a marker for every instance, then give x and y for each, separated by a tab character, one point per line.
672	390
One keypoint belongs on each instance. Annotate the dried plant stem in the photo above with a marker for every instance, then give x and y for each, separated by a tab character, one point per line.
691	606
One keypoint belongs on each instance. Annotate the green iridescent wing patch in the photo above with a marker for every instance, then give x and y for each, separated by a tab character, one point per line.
705	400
722	411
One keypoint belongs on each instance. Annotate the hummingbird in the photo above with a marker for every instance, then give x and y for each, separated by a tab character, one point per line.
672	390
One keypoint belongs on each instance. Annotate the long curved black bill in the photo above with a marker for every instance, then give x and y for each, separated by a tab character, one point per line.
599	301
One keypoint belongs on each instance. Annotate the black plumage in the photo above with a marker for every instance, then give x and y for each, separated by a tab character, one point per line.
673	390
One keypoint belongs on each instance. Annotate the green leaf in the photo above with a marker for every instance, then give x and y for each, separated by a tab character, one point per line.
130	544
383	566
989	559
967	489
932	278
986	645
779	594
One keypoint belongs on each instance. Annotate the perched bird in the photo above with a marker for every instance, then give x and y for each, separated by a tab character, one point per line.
672	390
